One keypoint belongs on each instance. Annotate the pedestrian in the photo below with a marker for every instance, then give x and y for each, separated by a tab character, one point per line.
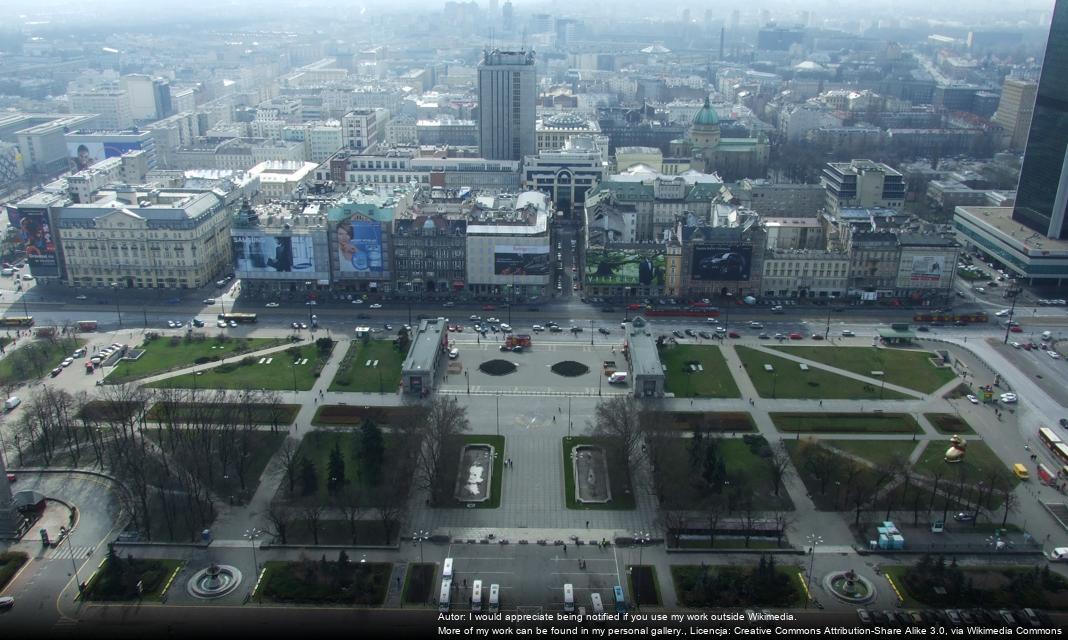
554	418
587	524
821	403
565	549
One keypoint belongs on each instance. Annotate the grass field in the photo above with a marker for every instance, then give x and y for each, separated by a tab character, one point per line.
210	413
10	563
346	415
979	463
164	354
227	484
845	423
879	452
354	375
905	368
787	380
643	585
948	423
312	581
451	464
317	445
110	586
714	381
36	357
419	584
247	373
618	476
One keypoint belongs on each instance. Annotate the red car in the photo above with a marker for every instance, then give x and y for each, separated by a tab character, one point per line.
734	334
459	328
488	307
1016	329
452	327
11	477
795	336
634	307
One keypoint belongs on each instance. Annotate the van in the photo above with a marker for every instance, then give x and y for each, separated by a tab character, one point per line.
476	596
11	403
621	604
569	598
454	353
619	377
1020	471
495	597
446	569
595	599
443	597
1060	554
1047	336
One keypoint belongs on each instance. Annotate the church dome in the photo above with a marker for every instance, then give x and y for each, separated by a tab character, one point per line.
706	116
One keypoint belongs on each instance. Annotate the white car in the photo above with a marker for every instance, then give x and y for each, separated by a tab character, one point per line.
170	323
506	327
972	399
1015	345
221	324
1008	398
1002	313
846	333
82	297
271	305
376	306
358	301
1053	354
454	354
233	324
493	320
66	362
537	327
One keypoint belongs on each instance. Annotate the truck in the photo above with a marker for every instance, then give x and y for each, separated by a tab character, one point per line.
518	340
1045	476
86	325
619	377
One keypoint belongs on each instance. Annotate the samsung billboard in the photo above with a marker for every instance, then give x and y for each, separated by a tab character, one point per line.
521	260
720	262
263	255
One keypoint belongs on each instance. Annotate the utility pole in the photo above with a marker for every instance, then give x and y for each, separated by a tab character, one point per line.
498	414
1012	312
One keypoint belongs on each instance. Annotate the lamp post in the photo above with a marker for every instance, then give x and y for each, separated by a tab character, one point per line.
419	536
251	535
774	382
293	369
569	416
65	533
813	541
827	332
498	398
1012	311
642	538
115	292
468	379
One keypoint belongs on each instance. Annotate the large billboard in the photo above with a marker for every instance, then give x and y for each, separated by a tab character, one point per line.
927	268
34	236
85	154
256	254
359	246
521	260
627	267
720	262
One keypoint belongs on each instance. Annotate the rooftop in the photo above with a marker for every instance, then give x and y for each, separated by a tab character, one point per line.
426	341
644	358
1000	219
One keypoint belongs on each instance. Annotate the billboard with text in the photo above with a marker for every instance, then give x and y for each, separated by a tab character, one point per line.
521	260
720	262
34	236
360	250
626	267
83	155
260	254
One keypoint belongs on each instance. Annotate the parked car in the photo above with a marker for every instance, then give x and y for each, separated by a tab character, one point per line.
817	336
964	517
676	333
269	305
972	399
846	333
6	603
704	334
864	616
603	331
376	306
796	336
690	333
55	372
734	334
1009	398
576	329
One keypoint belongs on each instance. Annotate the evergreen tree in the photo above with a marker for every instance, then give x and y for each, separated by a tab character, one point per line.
309	479
372	453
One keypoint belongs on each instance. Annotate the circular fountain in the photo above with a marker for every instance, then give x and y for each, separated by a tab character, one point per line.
214	582
850	587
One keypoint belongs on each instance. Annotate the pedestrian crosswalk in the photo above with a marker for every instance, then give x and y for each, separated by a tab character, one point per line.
66	552
64	627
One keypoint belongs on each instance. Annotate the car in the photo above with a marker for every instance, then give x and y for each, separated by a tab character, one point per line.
952	616
980	290
1016	329
221	324
170	324
55	372
1016	345
505	327
295	325
923	328
576	329
459	328
357	301
763	336
494	328
817	336
554	329
1009	398
914	616
451	328
488	307
474	318
864	616
197	322
449	305
517	348
964	517
755	325
721	330
66	362
269	305
27	276
493	320
603	331
81	297
386	326
537	327
311	302
376	306
734	334
1002	313
677	333
846	333
233	324
704	334
550	323
178	324
690	333
1007	617
1053	354
303	326
454	353
796	336
6	602
972	399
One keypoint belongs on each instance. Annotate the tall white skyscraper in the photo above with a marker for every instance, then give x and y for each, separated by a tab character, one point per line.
507	93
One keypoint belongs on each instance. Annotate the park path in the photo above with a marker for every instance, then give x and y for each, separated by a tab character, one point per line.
211	365
842	372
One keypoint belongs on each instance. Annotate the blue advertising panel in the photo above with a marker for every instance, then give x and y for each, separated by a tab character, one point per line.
359	245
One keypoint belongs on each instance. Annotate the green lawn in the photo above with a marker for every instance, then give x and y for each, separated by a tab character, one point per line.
213	413
419	585
116	585
313	581
247	373
166	354
787	380
36	357
714	381
618	476
451	462
879	452
642	584
845	423
261	445
353	374
317	446
905	368
10	563
949	423
735	585
979	463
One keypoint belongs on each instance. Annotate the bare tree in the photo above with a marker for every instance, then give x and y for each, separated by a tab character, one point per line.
821	463
352	503
714	508
1009	500
443	420
674	521
783	520
290	462
779	465
618	419
312	514
278	522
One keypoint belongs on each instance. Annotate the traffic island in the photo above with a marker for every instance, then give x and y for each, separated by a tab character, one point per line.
497	367
569	369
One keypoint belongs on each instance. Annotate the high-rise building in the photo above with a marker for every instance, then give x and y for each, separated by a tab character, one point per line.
111	105
1042	195
150	98
862	184
1015	109
507	16
507	93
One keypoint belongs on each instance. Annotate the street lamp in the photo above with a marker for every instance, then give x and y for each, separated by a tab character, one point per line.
63	531
419	536
813	541
1012	311
498	398
251	535
468	378
569	416
293	369
642	538
115	292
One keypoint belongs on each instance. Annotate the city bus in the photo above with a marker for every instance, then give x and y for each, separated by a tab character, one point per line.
245	318
1049	437
1060	451
17	321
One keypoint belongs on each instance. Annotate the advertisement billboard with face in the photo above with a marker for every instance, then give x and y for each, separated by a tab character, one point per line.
359	246
627	267
259	254
82	155
927	268
721	262
520	260
34	236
